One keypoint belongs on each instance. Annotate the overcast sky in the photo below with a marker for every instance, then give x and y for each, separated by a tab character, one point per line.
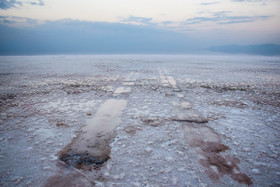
210	22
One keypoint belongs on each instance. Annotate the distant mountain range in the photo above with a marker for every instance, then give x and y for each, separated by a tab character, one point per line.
262	49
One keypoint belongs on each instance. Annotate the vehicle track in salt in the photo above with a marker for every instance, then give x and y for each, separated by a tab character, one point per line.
92	148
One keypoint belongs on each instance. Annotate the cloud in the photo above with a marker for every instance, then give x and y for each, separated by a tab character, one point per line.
210	3
264	2
74	36
3	19
223	17
134	19
167	22
15	19
7	4
145	21
40	3
249	0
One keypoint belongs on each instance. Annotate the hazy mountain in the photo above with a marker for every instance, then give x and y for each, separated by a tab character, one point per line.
262	49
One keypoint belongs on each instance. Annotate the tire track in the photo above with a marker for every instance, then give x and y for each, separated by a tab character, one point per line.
91	149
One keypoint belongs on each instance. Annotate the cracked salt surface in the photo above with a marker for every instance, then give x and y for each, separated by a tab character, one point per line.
45	102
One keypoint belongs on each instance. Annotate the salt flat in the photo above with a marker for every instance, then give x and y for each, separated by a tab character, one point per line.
139	120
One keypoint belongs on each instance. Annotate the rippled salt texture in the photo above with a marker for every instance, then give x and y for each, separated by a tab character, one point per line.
46	101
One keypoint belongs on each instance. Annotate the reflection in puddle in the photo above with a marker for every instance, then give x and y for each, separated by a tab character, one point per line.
92	146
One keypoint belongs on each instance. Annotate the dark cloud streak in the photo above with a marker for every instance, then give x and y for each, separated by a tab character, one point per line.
16	19
39	3
5	4
210	3
249	0
142	20
224	18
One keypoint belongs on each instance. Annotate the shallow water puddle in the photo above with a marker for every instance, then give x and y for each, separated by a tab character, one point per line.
164	81
92	146
171	81
168	80
163	78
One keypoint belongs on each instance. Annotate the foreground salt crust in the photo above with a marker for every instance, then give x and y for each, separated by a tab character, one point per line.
184	121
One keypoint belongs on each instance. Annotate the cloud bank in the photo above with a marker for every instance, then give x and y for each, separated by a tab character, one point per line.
72	36
82	37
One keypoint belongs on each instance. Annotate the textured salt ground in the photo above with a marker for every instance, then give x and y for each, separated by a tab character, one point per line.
149	147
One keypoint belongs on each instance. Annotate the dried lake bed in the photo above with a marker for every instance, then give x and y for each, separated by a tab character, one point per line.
139	120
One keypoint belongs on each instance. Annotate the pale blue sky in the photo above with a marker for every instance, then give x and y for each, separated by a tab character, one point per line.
208	22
